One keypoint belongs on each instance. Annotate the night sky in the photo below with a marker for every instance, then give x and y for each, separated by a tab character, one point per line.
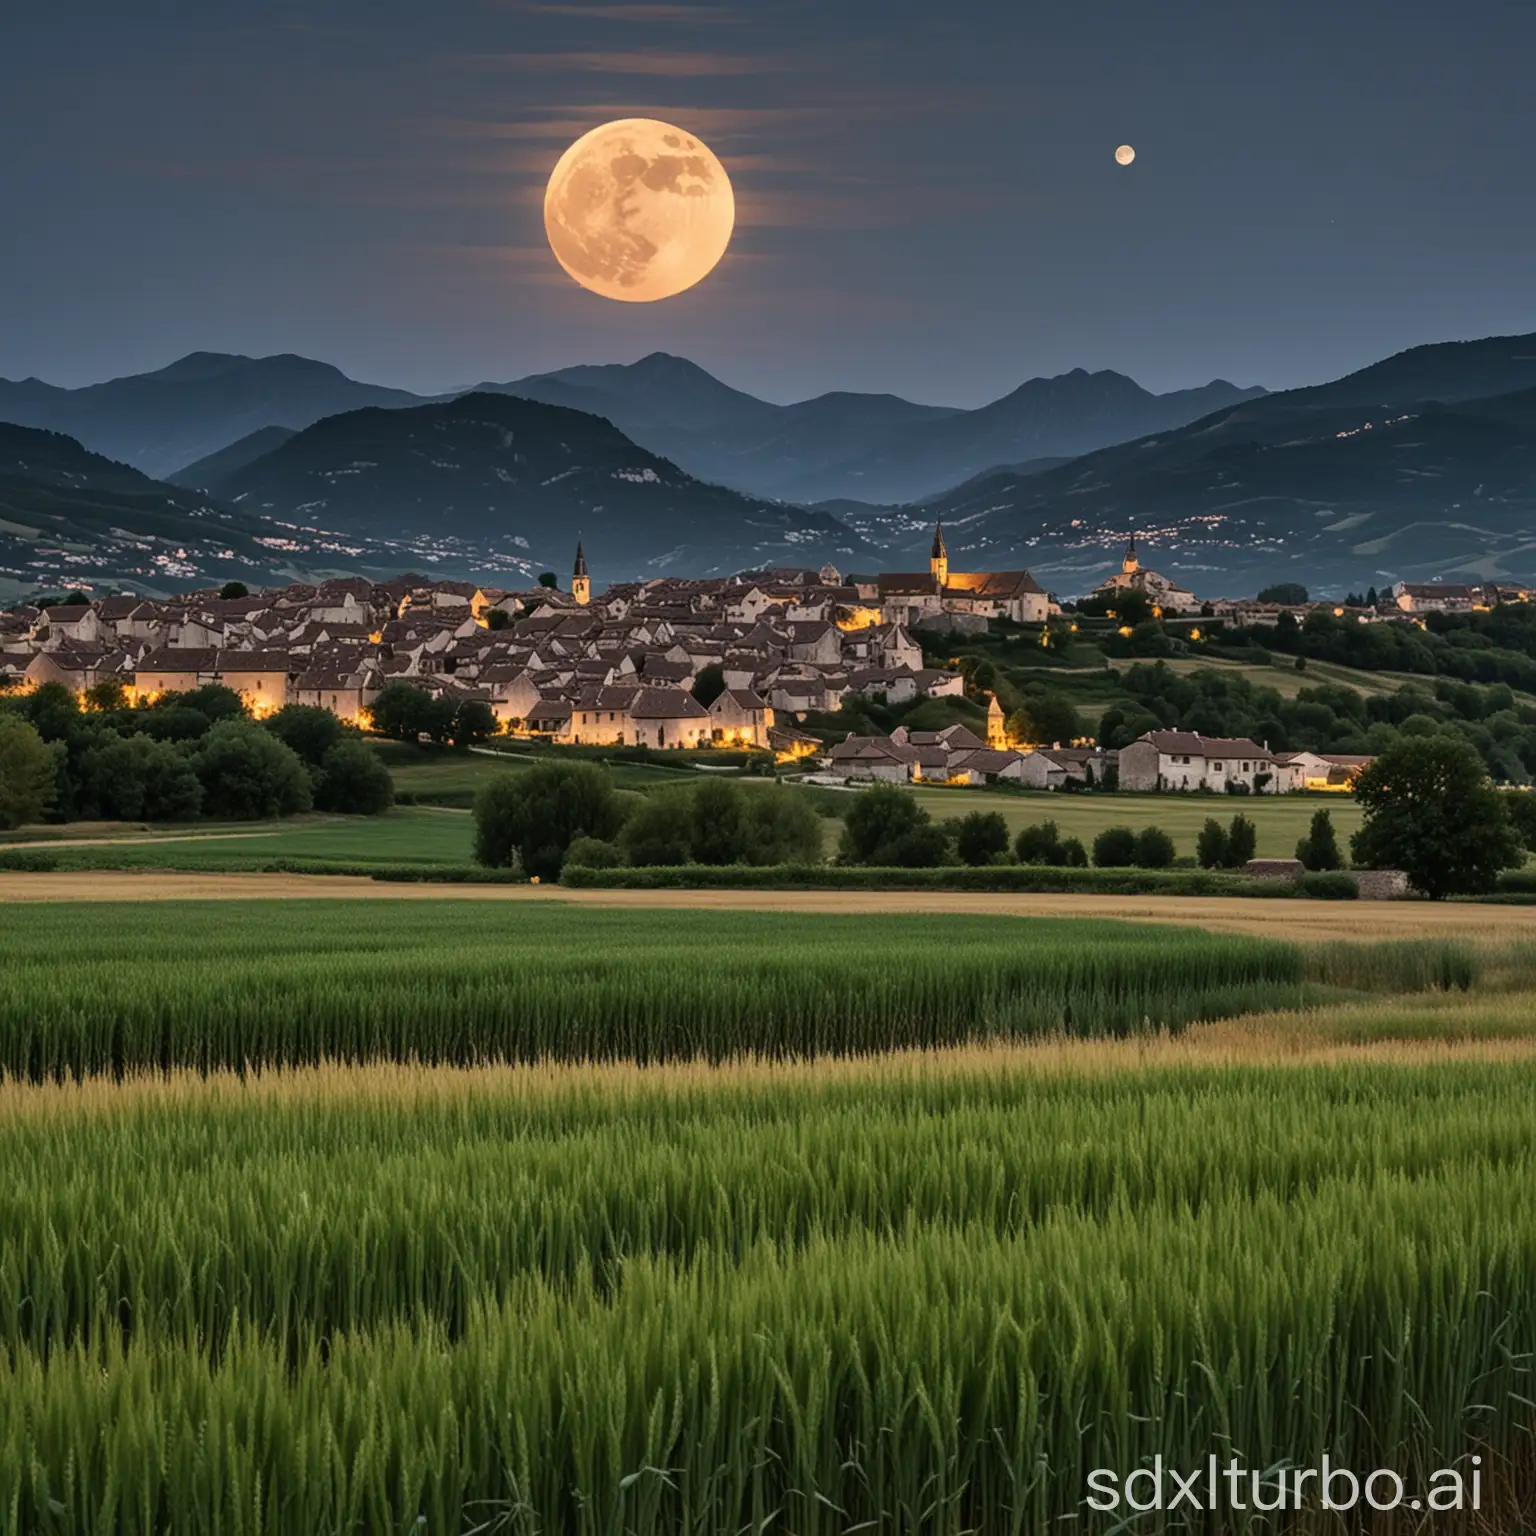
928	201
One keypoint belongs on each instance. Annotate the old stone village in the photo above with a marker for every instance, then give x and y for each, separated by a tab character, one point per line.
618	669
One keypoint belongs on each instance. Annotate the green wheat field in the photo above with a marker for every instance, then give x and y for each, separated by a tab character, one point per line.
454	1217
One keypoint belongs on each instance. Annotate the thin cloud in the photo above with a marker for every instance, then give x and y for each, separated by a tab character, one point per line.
626	12
665	63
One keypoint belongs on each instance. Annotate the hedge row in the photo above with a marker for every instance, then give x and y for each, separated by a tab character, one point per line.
1013	877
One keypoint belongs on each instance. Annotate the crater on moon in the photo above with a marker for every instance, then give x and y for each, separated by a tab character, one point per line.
639	210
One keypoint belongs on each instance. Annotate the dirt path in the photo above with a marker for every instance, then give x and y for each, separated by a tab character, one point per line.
1308	920
134	840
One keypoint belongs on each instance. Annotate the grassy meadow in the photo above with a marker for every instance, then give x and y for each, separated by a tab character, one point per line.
545	1216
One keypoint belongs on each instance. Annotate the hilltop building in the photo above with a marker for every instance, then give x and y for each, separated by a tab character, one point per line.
909	597
1134	577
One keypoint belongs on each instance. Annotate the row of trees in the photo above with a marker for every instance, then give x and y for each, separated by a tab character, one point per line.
1327	717
186	756
542	818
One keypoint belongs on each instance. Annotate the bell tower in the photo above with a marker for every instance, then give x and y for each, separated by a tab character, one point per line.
938	560
1132	563
581	583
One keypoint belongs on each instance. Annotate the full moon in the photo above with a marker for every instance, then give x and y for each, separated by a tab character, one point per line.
638	210
1125	154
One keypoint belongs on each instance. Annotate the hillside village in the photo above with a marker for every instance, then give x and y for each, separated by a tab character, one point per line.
623	668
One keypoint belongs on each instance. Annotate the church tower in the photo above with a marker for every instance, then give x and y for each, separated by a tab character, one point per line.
1131	564
581	583
938	560
997	726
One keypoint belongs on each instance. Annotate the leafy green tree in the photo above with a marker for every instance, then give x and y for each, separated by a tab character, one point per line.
659	831
709	684
214	702
782	827
886	826
173	723
1291	593
137	778
1319	849
1211	845
28	773
532	817
1432	811
474	721
406	713
1242	841
1132	607
1115	848
308	729
1521	805
497	619
106	697
717	820
1154	849
353	781
1040	844
980	838
1073	854
247	774
232	590
550	581
1044	719
52	710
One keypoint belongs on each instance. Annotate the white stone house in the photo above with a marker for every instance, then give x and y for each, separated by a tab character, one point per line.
1186	761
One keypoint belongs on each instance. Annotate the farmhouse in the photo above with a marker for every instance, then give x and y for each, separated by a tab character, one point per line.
1185	760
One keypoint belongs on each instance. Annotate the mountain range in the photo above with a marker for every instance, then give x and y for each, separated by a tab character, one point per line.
159	422
1421	466
65	511
186	423
506	476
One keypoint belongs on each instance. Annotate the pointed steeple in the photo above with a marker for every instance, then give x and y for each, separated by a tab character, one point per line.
938	560
1132	563
581	561
581	583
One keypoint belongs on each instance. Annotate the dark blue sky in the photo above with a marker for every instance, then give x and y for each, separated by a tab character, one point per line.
927	197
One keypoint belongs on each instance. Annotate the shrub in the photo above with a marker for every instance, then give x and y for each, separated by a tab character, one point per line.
247	774
1074	855
532	817
29	770
1040	844
1242	841
981	837
1211	845
1154	849
1319	849
353	781
133	778
1328	885
1115	848
310	731
592	853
